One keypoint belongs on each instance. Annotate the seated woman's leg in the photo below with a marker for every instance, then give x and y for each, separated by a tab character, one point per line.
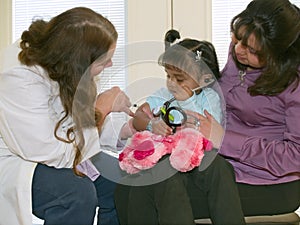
214	194
270	199
61	197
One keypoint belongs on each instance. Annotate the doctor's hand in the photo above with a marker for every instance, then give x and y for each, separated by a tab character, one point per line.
208	126
113	100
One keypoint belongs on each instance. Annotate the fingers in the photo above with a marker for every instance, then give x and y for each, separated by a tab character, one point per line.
146	109
161	128
195	115
129	112
208	115
114	100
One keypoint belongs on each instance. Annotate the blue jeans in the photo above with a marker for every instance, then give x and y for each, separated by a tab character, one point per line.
60	197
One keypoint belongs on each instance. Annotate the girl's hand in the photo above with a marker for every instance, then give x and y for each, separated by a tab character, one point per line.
145	108
113	100
159	127
208	126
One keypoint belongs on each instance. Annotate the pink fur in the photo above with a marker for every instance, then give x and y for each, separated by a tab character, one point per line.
186	147
189	151
132	164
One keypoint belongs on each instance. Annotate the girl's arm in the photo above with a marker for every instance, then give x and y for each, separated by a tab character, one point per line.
142	117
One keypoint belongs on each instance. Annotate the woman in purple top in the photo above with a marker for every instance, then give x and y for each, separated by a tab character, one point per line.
260	83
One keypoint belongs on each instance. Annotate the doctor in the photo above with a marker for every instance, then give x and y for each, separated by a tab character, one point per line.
51	118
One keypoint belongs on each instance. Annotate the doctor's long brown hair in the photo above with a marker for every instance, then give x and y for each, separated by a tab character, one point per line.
65	47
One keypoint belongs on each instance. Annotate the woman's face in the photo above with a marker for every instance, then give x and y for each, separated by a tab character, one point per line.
247	54
104	62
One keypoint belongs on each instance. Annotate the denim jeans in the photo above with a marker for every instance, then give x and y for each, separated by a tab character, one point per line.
60	197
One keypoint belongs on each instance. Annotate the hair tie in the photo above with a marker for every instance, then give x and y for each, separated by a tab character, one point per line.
198	56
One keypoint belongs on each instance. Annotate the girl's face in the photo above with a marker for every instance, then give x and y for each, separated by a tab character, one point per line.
104	62
177	81
247	54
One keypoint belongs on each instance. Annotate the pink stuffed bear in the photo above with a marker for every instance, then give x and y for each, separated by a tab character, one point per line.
186	148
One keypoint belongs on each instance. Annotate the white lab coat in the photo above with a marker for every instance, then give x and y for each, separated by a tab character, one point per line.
29	110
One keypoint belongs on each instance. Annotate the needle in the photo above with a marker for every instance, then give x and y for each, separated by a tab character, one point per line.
193	90
196	89
173	99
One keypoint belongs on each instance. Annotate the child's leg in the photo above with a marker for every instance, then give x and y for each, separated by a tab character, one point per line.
173	203
121	200
213	193
166	202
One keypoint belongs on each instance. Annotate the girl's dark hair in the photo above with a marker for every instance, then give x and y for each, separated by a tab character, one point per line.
275	25
65	47
183	55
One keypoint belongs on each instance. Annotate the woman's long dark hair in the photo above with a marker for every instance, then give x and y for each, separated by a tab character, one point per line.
65	47
275	25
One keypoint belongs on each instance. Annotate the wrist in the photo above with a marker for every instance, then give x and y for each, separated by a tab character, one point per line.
149	126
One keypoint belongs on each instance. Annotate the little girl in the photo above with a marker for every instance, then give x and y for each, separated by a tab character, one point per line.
191	67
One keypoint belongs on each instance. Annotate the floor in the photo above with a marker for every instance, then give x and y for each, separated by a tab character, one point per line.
37	221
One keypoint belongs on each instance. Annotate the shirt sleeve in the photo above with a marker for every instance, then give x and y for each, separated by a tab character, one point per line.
109	136
28	123
207	100
280	156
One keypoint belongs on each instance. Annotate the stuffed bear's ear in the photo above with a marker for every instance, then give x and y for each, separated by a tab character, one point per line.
207	144
189	151
144	151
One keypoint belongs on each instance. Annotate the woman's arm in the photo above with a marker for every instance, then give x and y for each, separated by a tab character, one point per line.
29	113
278	155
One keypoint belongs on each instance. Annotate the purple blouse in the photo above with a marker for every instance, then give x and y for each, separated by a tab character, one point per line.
262	137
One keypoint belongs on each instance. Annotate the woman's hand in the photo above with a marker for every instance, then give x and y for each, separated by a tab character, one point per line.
208	126
113	100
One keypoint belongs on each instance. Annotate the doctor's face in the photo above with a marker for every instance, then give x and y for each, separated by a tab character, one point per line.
103	62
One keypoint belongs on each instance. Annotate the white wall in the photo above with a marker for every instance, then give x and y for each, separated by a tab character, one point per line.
5	23
148	20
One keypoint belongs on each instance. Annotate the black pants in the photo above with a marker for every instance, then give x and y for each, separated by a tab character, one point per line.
255	199
168	202
212	193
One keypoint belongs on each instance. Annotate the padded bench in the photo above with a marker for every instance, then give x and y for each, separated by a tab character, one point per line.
282	219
